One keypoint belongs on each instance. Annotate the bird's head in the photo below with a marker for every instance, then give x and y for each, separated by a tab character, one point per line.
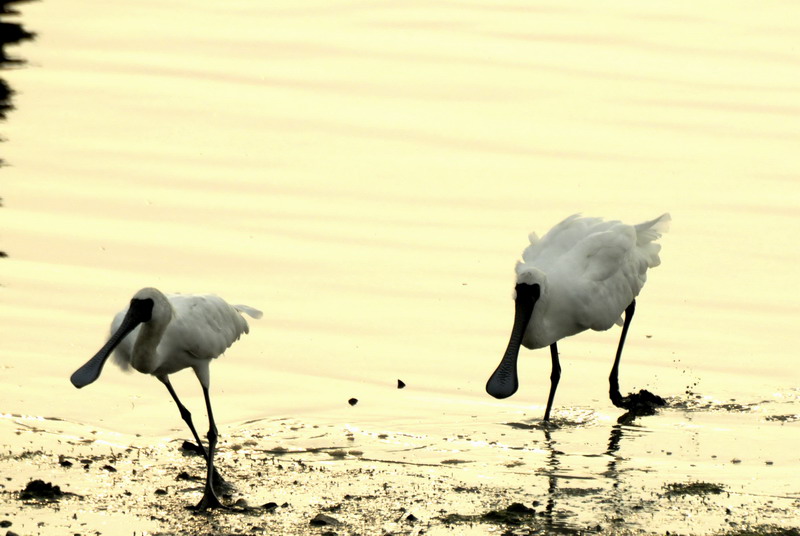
151	304
147	305
530	275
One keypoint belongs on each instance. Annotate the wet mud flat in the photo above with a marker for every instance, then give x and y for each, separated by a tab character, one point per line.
578	476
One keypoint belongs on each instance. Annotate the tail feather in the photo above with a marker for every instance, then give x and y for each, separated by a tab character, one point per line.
652	230
251	311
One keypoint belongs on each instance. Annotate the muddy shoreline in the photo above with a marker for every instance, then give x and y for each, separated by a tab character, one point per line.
299	478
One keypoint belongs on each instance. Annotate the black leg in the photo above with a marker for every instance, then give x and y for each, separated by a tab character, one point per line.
555	375
185	415
613	380
210	499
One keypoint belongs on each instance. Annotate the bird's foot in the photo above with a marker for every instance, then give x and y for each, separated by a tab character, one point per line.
547	424
209	501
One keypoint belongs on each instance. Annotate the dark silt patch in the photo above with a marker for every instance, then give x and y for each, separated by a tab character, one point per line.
681	489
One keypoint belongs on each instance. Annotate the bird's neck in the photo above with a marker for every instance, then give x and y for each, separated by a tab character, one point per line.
145	354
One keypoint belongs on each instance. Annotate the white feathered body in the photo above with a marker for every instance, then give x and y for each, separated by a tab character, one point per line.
186	330
589	270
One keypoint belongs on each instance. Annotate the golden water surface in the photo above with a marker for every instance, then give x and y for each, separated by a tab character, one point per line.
366	173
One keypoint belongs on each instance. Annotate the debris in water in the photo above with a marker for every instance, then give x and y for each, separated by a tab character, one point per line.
783	418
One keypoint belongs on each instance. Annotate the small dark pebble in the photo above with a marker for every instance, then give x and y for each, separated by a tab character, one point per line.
411	518
400	384
353	401
63	462
183	475
321	520
329	533
270	506
11	533
110	468
161	491
5	523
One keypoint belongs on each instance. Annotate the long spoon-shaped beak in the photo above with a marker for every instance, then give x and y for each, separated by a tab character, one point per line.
138	312
504	381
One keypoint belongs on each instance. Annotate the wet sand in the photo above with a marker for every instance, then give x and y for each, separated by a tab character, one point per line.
584	474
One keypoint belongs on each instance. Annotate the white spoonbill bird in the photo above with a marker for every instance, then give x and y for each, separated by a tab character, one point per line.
161	334
583	274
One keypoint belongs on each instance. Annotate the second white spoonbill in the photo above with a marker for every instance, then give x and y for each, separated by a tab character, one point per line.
583	274
161	334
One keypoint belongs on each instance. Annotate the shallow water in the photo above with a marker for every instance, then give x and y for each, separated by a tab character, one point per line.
367	173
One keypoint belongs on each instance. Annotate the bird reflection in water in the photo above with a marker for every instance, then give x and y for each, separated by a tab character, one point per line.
560	512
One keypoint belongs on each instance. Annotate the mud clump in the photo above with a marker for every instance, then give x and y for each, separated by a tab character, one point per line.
515	514
192	448
643	403
41	490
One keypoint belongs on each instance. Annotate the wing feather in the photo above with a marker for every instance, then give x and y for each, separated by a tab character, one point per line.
204	326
